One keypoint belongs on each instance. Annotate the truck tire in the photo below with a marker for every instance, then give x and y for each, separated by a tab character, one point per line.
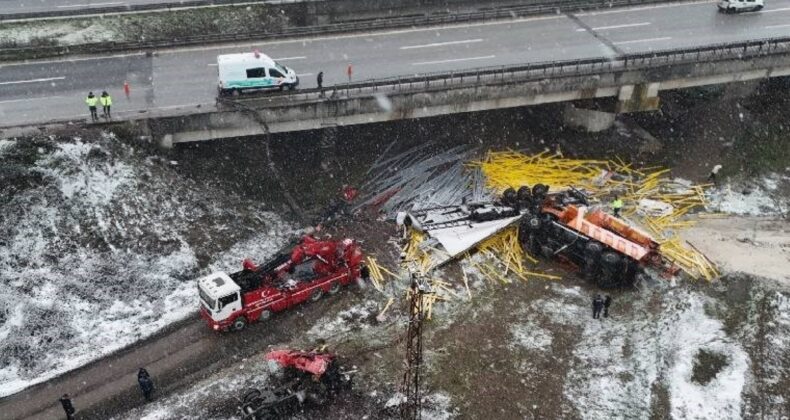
316	295
593	249
334	287
524	194
265	315
611	260
509	197
534	223
239	323
539	190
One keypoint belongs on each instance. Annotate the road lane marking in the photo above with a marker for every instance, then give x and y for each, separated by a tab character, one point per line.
784	9
304	74
604	28
637	9
636	41
778	26
29	99
441	44
289	58
48	79
212	64
454	60
89	5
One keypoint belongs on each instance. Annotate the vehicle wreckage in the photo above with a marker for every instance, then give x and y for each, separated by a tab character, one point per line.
309	378
606	249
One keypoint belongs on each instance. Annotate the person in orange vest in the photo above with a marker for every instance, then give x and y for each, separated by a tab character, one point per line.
92	101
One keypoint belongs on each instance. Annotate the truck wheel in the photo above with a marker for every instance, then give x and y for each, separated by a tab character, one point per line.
593	249
611	260
316	295
509	197
334	288
534	223
239	323
265	315
250	395
524	194
539	190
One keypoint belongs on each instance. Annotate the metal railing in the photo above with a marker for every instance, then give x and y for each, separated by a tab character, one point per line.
31	52
526	72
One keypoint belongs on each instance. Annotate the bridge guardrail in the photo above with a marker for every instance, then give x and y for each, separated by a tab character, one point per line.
531	71
30	52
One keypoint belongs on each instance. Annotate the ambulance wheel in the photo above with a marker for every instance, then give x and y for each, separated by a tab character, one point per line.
239	323
334	288
316	295
265	314
758	8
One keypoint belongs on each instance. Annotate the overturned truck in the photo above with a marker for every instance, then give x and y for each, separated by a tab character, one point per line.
309	378
607	250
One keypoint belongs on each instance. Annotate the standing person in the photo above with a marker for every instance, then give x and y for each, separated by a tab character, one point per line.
597	306
713	174
349	72
92	101
126	89
65	401
320	80
617	204
106	103
146	384
606	302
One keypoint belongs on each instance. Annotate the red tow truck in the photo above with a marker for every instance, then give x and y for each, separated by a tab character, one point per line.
312	268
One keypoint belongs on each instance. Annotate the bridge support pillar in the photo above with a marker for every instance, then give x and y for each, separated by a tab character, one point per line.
590	120
635	98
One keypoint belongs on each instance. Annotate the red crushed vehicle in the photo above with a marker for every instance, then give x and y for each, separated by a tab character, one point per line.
313	267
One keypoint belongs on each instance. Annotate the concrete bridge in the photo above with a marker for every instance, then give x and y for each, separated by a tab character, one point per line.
627	83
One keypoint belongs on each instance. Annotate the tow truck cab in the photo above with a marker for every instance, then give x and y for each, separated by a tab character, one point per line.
220	299
734	6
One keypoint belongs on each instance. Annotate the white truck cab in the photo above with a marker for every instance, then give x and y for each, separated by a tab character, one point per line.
734	6
220	295
255	70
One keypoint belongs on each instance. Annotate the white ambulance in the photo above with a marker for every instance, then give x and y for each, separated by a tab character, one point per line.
734	6
245	71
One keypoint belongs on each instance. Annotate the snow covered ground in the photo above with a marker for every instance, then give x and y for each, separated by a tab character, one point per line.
753	198
100	244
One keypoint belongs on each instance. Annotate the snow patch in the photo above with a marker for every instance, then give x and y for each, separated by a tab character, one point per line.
754	199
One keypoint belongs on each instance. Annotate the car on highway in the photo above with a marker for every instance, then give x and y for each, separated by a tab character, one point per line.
735	6
254	70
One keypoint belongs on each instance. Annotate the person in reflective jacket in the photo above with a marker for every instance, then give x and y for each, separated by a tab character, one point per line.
92	101
106	102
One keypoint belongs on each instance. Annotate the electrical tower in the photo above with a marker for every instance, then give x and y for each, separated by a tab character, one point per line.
411	409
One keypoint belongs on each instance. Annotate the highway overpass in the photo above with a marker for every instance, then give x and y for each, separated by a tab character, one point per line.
182	81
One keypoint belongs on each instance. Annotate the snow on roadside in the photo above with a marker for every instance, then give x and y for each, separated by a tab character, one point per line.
619	361
95	256
754	198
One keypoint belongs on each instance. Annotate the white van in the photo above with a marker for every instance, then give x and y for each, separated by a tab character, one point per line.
253	70
734	6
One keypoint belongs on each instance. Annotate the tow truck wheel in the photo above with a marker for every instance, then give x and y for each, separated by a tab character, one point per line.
316	295
265	314
334	288
239	323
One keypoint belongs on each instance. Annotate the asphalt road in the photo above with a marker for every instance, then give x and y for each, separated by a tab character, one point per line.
41	91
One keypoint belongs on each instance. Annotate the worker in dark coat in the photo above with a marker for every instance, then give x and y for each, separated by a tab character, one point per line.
146	384
597	306
65	401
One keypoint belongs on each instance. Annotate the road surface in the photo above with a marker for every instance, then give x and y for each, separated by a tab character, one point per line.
37	92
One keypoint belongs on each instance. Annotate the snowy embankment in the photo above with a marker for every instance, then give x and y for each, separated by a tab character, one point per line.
100	244
761	197
664	351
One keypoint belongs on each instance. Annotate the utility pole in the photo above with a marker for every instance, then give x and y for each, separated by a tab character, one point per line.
411	409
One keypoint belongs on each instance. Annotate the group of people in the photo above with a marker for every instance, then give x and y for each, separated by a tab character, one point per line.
601	304
106	102
143	379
